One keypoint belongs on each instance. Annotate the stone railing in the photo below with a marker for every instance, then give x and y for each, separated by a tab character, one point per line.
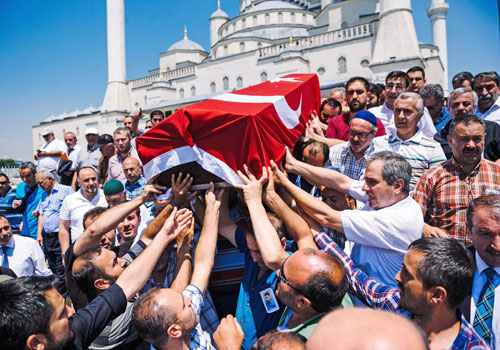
169	75
332	37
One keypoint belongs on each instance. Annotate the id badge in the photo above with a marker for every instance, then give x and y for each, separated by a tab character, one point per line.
269	300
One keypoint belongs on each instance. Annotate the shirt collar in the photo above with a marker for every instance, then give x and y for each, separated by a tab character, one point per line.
481	265
459	168
12	243
367	152
417	138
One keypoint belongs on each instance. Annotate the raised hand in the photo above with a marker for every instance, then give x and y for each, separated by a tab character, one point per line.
149	192
252	190
180	188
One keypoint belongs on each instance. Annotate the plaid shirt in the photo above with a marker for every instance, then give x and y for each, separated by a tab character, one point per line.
342	160
135	190
444	193
380	296
199	338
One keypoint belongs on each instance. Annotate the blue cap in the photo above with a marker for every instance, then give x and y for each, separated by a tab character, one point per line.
368	116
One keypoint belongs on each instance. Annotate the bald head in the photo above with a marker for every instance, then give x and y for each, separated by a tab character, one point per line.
366	329
132	169
276	340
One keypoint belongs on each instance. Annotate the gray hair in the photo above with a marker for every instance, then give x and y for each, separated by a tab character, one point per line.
46	174
420	102
430	90
460	91
466	119
490	202
28	165
122	130
70	132
395	167
341	89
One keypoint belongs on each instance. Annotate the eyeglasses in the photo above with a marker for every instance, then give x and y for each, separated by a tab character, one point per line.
398	87
5	228
361	135
4	182
283	279
157	120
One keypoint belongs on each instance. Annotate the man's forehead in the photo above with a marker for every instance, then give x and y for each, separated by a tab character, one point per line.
469	128
359	124
467	96
409	102
4	178
396	80
484	81
4	222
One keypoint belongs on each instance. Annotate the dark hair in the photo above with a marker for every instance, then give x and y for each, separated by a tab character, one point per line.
398	74
429	90
4	175
491	202
89	273
24	310
416	69
28	165
459	78
466	119
156	112
314	144
92	214
151	320
375	89
333	103
395	167
122	130
361	79
323	293
275	338
487	76
446	263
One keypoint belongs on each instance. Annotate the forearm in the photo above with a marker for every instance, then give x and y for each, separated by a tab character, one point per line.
319	176
327	140
155	226
183	268
50	154
64	238
39	227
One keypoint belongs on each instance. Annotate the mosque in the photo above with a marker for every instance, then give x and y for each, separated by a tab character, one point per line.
336	39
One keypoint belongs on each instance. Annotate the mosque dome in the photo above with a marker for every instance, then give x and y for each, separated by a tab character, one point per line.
219	12
186	44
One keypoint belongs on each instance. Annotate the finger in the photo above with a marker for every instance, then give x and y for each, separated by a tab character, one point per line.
159	187
172	180
249	173
219	194
263	178
212	187
186	179
245	179
179	179
186	184
192	196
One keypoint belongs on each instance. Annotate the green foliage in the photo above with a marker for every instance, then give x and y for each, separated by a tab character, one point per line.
6	162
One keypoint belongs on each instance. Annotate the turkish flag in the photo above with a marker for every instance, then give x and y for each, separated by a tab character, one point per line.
250	126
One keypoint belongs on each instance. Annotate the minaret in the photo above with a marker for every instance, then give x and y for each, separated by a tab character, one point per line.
217	19
117	96
437	13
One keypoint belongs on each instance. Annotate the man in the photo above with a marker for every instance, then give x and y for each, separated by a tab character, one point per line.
435	278
124	150
7	197
131	122
389	221
338	93
381	330
168	319
419	150
329	108
77	204
462	79
433	96
45	320
463	101
128	228
28	196
396	83
48	219
486	85
148	125
417	79
444	192
48	155
135	181
67	172
483	222
350	158
156	117
356	97
21	254
114	192
373	96
315	153
107	148
89	156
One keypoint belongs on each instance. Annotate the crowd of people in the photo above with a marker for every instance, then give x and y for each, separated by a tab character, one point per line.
380	230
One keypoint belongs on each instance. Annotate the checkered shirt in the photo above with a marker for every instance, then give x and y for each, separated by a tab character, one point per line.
380	296
342	160
444	193
199	338
135	190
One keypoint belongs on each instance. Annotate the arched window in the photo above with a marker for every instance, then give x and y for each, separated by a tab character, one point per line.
364	63
343	25
193	91
341	65
254	18
239	82
225	83
225	50
243	23
242	47
259	45
212	87
292	17
280	17
181	93
267	18
263	76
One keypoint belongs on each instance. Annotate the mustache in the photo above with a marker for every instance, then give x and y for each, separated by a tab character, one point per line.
488	96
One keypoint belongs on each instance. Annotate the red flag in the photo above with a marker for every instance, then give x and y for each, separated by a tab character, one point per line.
249	126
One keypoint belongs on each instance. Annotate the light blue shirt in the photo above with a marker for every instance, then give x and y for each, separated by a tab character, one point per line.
50	206
30	222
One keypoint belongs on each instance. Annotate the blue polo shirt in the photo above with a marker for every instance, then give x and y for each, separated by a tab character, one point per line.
443	119
50	206
7	210
250	311
29	221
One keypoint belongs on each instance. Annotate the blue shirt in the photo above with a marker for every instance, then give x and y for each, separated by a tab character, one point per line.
29	221
50	206
134	190
7	210
444	118
250	310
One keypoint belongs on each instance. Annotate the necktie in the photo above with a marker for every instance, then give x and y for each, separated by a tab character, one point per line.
484	311
5	260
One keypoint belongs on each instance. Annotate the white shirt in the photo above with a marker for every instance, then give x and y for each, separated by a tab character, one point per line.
74	208
477	286
386	117
73	156
492	114
419	150
50	163
26	257
381	236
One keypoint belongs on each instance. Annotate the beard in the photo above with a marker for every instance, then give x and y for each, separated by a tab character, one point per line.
64	344
186	333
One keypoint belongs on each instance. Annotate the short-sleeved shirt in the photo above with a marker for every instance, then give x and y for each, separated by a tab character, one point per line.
250	311
25	257
50	163
338	127
30	223
89	157
50	206
74	208
342	159
199	338
9	212
381	236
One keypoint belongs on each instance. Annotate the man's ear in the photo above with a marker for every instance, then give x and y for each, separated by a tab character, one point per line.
102	284
36	342
398	185
437	295
450	140
174	331
302	302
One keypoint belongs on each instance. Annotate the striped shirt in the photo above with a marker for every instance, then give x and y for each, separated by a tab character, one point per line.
444	193
342	160
419	150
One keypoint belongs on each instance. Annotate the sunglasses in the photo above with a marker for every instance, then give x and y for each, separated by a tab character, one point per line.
283	279
4	182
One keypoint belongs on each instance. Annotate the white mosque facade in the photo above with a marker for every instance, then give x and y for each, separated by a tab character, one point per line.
336	39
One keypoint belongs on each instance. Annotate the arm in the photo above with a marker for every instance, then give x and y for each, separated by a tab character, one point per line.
227	227
154	226
423	196
313	206
205	250
229	335
64	238
49	154
266	236
182	272
137	273
135	122
39	230
318	176
180	189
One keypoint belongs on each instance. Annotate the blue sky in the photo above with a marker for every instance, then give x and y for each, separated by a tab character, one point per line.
53	53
